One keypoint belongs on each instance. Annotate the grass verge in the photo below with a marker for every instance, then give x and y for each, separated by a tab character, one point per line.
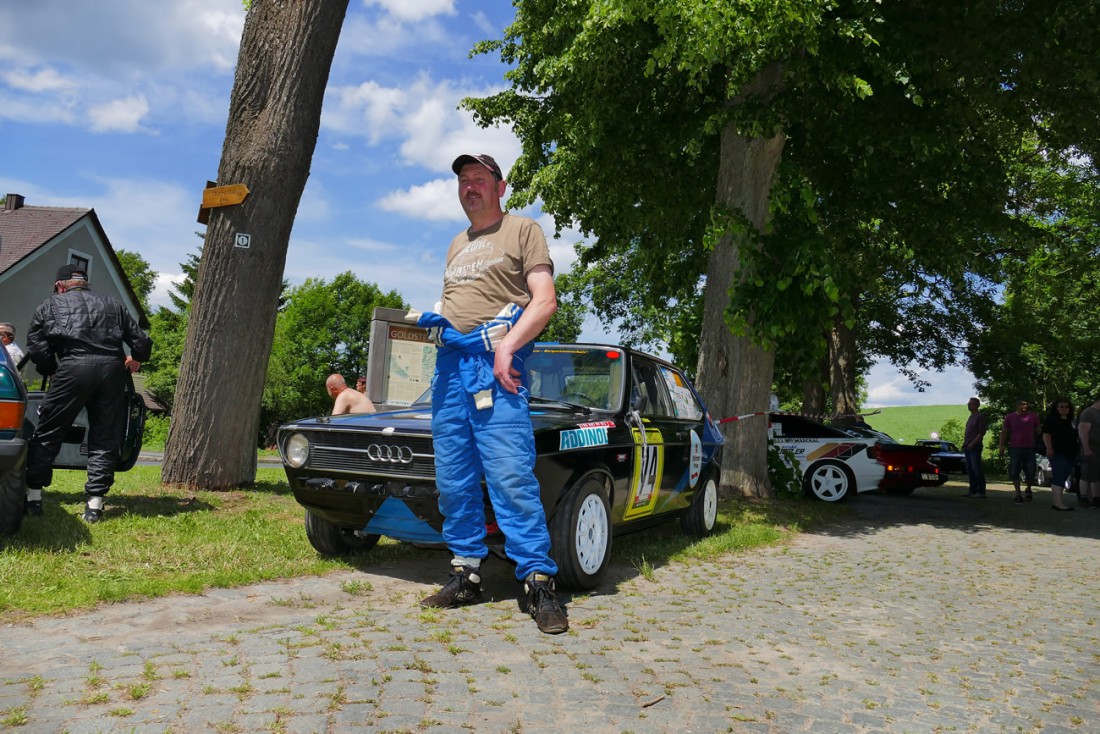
158	540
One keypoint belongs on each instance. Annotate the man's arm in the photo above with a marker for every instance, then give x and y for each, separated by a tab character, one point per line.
1083	430
543	305
342	404
1004	436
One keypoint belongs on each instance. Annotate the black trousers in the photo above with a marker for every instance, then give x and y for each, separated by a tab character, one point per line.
99	384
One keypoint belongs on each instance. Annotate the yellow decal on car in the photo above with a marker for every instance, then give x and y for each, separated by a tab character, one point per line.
649	465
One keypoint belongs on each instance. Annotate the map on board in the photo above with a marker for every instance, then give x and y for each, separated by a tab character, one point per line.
409	365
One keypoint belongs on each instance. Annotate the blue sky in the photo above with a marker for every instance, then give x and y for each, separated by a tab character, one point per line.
121	106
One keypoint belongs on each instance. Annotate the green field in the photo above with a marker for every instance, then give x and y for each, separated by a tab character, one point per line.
907	424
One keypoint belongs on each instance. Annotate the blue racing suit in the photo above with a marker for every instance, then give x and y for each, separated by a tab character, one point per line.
494	440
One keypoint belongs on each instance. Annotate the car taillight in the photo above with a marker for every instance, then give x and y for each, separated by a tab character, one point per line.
11	414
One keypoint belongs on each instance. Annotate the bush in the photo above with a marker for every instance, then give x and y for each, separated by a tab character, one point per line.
784	472
156	432
952	430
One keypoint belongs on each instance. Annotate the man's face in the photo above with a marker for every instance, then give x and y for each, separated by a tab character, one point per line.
972	406
1022	406
478	190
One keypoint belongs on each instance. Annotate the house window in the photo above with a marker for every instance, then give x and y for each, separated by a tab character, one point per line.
80	262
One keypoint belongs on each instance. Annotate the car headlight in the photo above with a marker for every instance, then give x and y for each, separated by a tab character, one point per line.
296	450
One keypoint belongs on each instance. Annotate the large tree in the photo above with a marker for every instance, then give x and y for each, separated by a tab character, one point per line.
658	129
274	115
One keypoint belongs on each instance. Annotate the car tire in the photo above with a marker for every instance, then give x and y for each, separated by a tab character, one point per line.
329	539
580	534
700	518
13	497
1040	477
829	481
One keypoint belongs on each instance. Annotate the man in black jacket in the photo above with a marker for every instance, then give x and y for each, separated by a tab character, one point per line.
76	336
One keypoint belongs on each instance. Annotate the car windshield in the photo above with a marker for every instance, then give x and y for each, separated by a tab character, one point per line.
591	376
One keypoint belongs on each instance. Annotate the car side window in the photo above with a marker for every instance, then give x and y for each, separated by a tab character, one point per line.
650	386
684	404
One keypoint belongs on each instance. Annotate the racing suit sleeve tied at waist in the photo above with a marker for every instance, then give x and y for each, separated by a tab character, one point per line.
472	354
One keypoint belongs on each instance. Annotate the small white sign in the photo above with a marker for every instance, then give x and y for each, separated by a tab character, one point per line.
243	240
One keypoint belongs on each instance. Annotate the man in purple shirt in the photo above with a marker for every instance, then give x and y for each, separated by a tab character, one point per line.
976	426
1021	430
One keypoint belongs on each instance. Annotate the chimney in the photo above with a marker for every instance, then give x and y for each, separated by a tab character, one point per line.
13	202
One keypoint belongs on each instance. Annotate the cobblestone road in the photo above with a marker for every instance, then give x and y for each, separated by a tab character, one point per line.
926	613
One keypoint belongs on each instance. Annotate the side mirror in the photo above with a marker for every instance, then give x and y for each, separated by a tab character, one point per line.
638	405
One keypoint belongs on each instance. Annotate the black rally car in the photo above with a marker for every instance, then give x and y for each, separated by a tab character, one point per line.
623	442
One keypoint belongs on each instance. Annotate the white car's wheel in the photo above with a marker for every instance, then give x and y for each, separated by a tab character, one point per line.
580	534
829	481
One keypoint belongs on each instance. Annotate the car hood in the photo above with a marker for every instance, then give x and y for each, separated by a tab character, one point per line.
419	419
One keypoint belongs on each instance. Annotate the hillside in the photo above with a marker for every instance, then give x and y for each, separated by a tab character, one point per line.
909	423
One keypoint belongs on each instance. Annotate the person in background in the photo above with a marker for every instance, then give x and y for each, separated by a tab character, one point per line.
1020	433
1088	430
1060	440
7	338
346	400
76	338
973	437
361	384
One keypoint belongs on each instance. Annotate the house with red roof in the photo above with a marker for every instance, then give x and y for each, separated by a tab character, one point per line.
35	241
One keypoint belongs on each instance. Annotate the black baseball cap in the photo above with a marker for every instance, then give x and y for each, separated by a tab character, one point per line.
71	272
480	158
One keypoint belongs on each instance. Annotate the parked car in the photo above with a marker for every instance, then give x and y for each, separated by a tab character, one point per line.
837	461
945	455
623	442
1043	473
18	418
834	463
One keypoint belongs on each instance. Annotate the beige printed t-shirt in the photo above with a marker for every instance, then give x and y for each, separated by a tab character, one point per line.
487	270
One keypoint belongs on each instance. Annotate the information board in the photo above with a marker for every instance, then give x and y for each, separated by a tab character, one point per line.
401	360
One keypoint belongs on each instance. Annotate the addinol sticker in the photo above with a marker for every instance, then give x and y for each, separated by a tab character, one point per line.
579	438
696	459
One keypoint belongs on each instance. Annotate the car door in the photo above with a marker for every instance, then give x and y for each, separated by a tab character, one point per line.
663	452
74	446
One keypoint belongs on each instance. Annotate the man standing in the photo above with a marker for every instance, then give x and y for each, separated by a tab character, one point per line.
7	338
346	400
76	336
1088	430
973	437
1020	431
498	295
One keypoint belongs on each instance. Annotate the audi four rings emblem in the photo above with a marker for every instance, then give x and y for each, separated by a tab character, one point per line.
391	454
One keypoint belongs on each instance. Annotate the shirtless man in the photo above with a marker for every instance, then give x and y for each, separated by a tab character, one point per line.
347	400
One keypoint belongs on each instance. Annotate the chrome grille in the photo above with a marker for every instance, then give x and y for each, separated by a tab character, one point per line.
371	454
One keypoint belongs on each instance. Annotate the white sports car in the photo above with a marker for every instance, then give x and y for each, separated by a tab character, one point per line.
834	464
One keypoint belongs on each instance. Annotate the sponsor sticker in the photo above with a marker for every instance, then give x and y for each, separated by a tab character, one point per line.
580	438
696	467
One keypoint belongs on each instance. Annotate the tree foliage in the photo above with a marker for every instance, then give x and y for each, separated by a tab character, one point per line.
140	273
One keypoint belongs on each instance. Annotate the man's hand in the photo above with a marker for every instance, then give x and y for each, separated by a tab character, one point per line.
503	370
132	364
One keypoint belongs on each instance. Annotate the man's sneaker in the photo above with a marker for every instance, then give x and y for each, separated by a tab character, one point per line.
92	515
543	605
463	588
32	508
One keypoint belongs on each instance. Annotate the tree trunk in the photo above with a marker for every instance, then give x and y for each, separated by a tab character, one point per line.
274	115
813	389
842	372
735	376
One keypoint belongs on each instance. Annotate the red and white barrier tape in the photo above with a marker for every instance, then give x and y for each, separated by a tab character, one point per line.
816	416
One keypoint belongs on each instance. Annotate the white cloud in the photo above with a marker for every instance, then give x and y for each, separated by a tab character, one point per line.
424	115
120	115
888	388
413	11
42	80
435	201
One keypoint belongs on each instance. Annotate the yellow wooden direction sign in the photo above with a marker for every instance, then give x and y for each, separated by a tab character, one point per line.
224	196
